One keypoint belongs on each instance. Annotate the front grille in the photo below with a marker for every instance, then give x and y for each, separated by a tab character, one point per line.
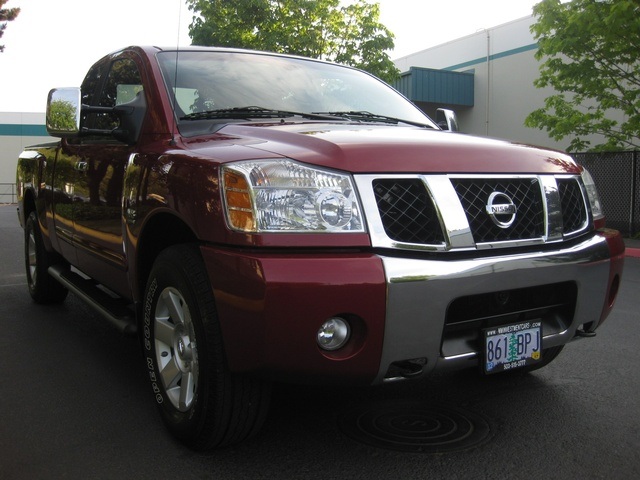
407	211
525	193
455	212
553	305
574	211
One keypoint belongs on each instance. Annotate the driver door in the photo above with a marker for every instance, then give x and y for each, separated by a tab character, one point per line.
99	163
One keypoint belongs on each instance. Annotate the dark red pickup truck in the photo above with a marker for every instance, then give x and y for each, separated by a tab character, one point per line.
256	217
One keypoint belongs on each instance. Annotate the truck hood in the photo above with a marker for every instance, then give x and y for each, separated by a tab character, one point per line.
369	148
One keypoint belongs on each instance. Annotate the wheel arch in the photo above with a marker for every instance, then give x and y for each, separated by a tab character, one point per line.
28	205
29	202
161	231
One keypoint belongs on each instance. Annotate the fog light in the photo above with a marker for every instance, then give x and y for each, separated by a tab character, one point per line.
333	334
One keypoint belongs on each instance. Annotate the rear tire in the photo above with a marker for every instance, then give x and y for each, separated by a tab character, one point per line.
42	287
201	402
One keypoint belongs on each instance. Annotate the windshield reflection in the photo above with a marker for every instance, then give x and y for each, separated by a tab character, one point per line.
206	81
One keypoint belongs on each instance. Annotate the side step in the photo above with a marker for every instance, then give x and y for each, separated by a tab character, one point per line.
112	309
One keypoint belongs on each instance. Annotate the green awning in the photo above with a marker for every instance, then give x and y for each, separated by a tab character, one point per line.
437	86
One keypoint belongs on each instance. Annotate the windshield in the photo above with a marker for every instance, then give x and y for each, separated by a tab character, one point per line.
207	81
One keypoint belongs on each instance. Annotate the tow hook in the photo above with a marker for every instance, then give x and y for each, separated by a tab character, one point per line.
406	369
585	333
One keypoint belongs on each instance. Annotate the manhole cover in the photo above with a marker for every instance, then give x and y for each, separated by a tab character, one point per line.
415	427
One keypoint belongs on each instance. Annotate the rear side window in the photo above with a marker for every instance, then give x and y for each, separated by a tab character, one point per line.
122	84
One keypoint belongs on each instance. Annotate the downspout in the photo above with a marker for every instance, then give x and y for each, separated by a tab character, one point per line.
486	120
632	210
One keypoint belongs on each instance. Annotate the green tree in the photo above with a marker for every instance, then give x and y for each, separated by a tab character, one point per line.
350	34
62	115
6	15
590	54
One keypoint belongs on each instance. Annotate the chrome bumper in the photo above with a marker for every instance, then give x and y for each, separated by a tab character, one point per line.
421	290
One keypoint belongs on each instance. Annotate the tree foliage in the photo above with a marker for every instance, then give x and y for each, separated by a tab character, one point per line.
590	52
350	34
62	115
6	15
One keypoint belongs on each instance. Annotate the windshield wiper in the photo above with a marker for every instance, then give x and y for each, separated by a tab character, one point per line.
245	113
362	115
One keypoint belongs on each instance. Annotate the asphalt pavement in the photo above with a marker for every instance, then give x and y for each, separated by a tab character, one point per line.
75	403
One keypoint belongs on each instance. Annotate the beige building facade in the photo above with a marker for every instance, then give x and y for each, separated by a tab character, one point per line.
503	64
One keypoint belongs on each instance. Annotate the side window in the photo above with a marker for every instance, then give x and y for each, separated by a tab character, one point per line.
88	90
91	82
122	84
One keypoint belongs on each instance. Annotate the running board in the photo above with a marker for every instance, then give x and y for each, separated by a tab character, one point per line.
111	309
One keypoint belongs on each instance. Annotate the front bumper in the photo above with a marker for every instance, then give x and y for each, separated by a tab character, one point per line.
420	292
271	305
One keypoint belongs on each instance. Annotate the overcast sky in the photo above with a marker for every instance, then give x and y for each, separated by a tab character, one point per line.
53	43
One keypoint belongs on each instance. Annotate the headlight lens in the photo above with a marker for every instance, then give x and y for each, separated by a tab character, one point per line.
592	193
286	196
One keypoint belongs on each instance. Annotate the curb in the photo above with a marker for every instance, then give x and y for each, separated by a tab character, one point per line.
632	252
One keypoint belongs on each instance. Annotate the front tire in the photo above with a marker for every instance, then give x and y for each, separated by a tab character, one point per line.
42	287
201	402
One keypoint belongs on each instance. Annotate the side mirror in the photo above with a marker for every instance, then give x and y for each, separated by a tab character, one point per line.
447	120
64	107
63	112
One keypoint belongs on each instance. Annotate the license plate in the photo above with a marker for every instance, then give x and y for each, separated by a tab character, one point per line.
512	346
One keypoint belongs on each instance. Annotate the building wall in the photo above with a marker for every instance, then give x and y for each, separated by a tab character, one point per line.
503	61
17	131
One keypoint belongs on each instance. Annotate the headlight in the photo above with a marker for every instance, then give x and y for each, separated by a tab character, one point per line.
286	196
592	193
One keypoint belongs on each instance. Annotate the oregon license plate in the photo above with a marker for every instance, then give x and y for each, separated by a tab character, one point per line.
512	346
